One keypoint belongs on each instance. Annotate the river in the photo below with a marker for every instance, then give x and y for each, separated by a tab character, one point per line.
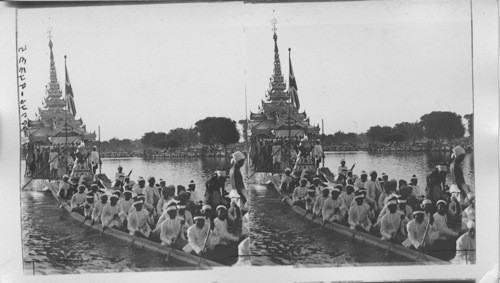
62	246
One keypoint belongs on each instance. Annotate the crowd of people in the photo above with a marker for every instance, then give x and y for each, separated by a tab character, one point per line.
438	218
213	225
52	162
418	146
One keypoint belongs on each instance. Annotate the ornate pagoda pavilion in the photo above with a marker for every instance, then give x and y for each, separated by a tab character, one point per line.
278	117
56	125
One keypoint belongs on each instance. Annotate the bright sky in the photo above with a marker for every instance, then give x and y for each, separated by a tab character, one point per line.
141	68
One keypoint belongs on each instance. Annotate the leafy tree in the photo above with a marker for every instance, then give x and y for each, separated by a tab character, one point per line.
409	131
217	130
470	123
378	133
181	136
443	125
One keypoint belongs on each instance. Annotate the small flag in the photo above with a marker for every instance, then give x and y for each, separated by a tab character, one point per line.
292	86
70	99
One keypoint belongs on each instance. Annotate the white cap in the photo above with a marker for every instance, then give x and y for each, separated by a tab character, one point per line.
441	201
426	201
140	179
238	155
170	208
363	172
205	207
113	196
391	202
471	224
221	207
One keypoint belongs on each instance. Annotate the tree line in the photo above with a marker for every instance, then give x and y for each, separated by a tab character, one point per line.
212	131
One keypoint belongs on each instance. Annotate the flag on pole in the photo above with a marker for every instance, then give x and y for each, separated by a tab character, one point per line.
70	99
292	85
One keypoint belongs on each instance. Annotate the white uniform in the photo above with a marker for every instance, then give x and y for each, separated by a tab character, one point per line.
94	158
408	212
373	189
348	199
468	214
318	205
360	215
416	233
96	213
87	212
169	230
138	221
360	184
445	233
329	207
152	196
196	239
466	250
417	191
310	204
390	224
54	161
299	192
64	187
225	237
317	151
126	204
120	176
108	213
136	190
77	200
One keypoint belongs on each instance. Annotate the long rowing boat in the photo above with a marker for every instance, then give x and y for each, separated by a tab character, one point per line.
357	235
202	263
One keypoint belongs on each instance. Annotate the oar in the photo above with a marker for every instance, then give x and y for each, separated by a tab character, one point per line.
304	216
109	222
204	245
392	238
353	235
173	244
423	239
324	222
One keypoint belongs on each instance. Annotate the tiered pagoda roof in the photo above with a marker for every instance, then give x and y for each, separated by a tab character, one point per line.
55	120
277	115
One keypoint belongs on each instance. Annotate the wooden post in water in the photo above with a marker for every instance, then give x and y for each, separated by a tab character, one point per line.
99	161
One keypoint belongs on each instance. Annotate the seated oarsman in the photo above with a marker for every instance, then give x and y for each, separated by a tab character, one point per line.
392	186
166	197
403	208
310	200
65	188
286	181
225	252
164	215
466	246
195	196
220	224
152	196
416	190
138	188
78	199
171	228
384	210
318	186
88	206
300	192
469	213
361	181
334	208
94	189
98	208
137	221
348	196
112	214
320	201
197	237
383	198
136	198
416	229
208	213
392	224
441	222
360	214
184	215
127	182
126	202
373	189
428	208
